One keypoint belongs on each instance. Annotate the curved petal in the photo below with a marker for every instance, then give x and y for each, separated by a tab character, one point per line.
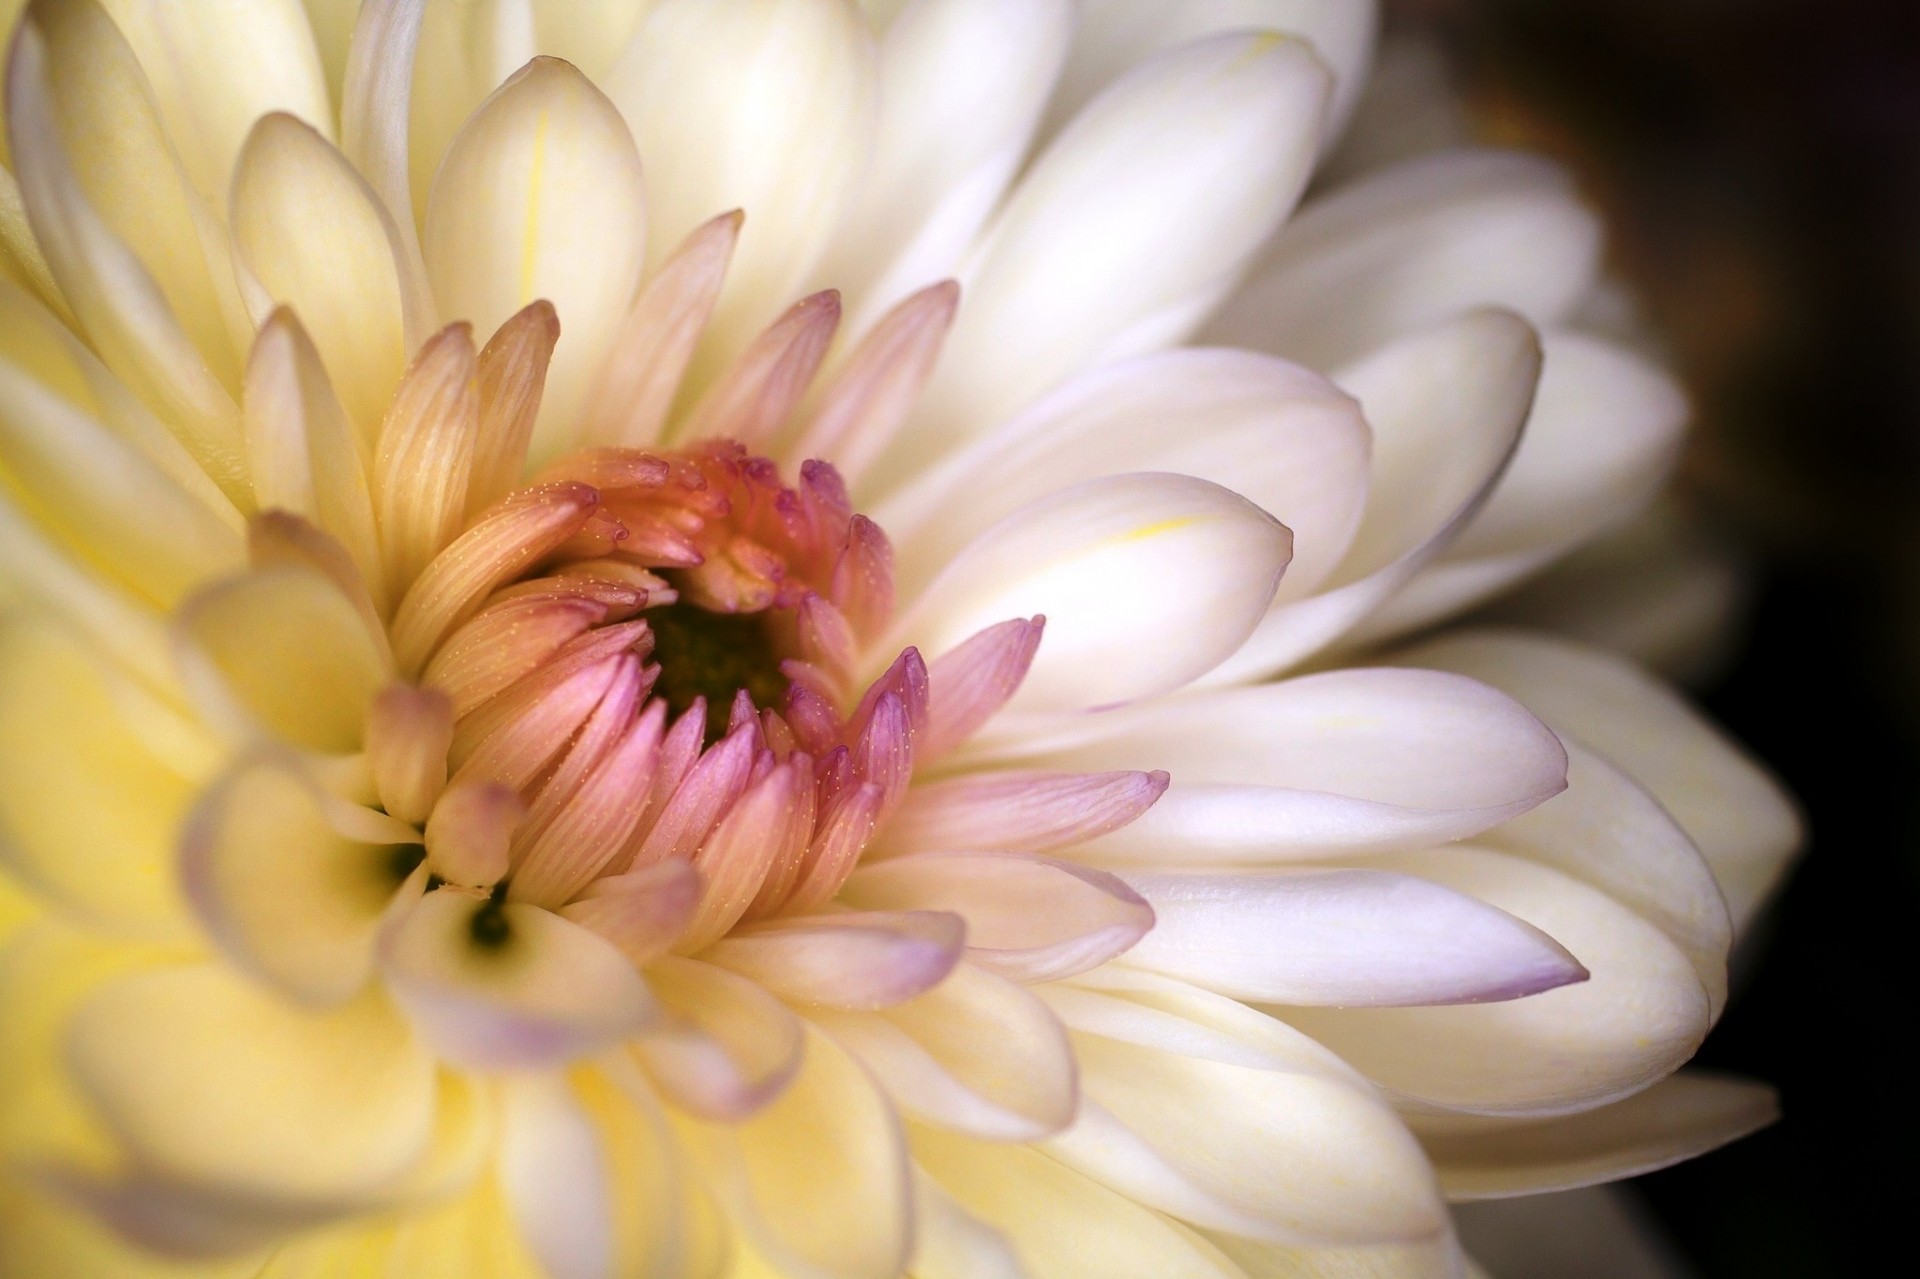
1640	1015
1678	1118
217	1082
539	196
1406	247
1348	938
554	1171
729	1046
1104	250
864	961
1015	810
962	83
977	1054
1446	406
818	1178
1027	918
1354	761
1743	822
509	987
282	649
1086	557
754	105
1431	1259
1282	437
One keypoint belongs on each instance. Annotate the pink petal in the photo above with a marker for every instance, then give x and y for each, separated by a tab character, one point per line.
863	961
1018	810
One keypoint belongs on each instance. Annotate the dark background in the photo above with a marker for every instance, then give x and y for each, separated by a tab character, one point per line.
1759	165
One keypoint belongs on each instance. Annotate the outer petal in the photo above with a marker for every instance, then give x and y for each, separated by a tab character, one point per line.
1104	250
1643	1012
1087	557
761	105
540	197
1743	822
730	1046
1678	1118
1285	439
1351	761
1409	246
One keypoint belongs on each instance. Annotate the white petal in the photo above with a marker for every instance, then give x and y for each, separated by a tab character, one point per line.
1342	937
467	50
1146	581
216	1081
761	105
1114	35
1028	918
1744	824
977	1054
1106	249
1446	407
1404	248
961	87
553	1168
1351	761
1284	438
1602	436
1678	1118
1640	1015
375	95
819	1178
540	197
522	989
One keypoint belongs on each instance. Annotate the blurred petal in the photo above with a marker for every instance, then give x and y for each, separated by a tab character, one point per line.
729	1047
867	960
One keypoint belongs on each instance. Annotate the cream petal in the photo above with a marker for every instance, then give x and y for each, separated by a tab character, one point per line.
287	895
317	238
643	912
554	1170
962	83
375	96
1102	251
1678	1118
977	1053
1640	1015
1085	557
1743	823
87	811
1446	406
656	1215
1605	428
216	68
332	24
819	1178
283	651
1432	1259
467	50
761	105
1352	761
1291	1156
1348	938
103	497
217	1082
862	961
539	196
952	1243
1282	437
1027	918
728	1048
1114	35
591	34
1401	249
125	310
1060	1223
495	986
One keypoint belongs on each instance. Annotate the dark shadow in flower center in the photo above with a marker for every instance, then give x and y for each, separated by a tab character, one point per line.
715	655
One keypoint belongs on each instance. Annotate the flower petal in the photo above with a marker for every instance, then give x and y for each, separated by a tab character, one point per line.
729	1047
1640	1015
863	961
539	196
1342	937
1027	918
1411	245
553	1167
1086	557
1354	761
509	987
977	1053
217	1082
754	105
1104	250
818	1178
1729	805
1678	1118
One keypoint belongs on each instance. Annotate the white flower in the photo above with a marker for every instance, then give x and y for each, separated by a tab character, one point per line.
540	738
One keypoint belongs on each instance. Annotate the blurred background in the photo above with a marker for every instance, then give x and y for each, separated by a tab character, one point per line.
1758	162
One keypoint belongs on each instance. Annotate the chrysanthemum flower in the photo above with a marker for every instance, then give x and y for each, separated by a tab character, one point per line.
539	738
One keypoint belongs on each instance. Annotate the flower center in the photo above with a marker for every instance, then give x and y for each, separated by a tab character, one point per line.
711	657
